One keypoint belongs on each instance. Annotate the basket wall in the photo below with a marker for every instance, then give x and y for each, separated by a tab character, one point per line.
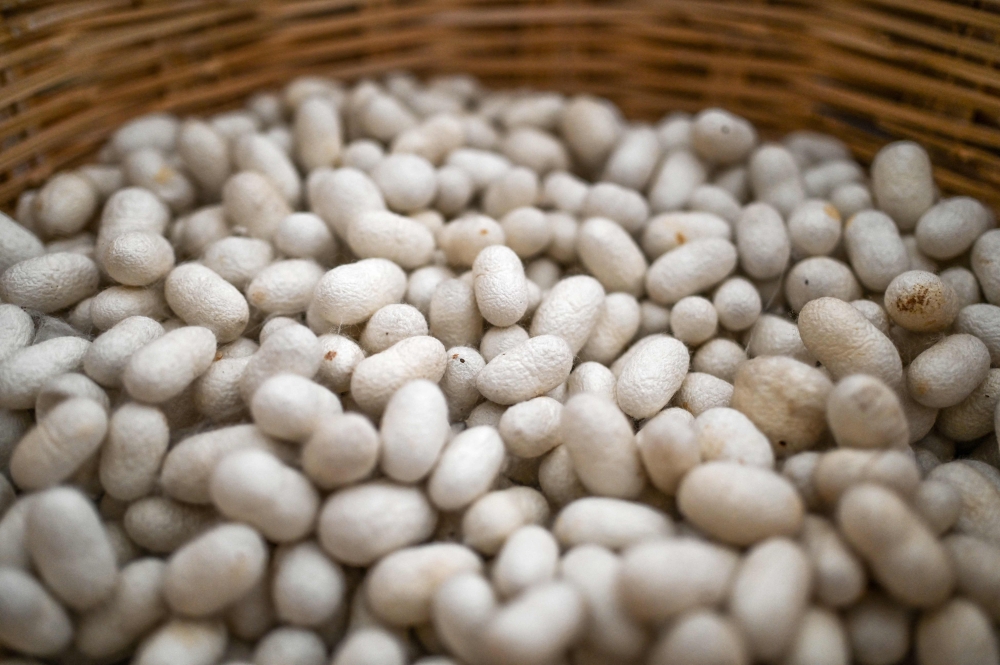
867	71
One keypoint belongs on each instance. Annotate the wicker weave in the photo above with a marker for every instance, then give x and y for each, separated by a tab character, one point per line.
867	71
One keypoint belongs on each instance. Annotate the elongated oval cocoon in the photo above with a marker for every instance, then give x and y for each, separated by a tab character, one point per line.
378	377
360	524
351	293
459	609
903	182
291	407
59	444
307	588
531	428
386	235
974	416
618	323
770	595
108	356
318	139
786	399
117	303
161	525
459	381
137	441
214	570
341	195
500	285
775	178
740	504
237	259
721	137
414	430
64	205
256	152
949	371
205	153
340	355
762	241
979	496
841	338
31	621
611	255
70	547
537	627
728	435
690	269
291	349
663	578
632	162
303	235
463	238
27	370
905	557
875	249
407	181
591	128
467	468
201	298
672	229
985	266
253	486
680	173
284	287
651	376
983	321
50	282
602	446
454	315
527	231
817	277
137	258
840	574
252	201
814	228
668	446
400	587
528	370
612	523
529	557
863	412
169	364
342	449
570	310
951	227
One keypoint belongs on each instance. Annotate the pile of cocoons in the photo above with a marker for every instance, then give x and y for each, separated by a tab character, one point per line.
402	372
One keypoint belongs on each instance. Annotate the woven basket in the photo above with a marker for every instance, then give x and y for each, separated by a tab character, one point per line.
867	71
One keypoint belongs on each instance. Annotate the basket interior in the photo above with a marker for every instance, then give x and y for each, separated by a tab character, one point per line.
867	71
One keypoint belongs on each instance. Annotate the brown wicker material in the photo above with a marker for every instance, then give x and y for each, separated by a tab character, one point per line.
867	71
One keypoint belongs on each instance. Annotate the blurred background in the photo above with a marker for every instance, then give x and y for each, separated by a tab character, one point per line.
867	71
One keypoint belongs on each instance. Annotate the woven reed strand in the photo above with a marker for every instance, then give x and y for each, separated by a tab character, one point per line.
867	71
